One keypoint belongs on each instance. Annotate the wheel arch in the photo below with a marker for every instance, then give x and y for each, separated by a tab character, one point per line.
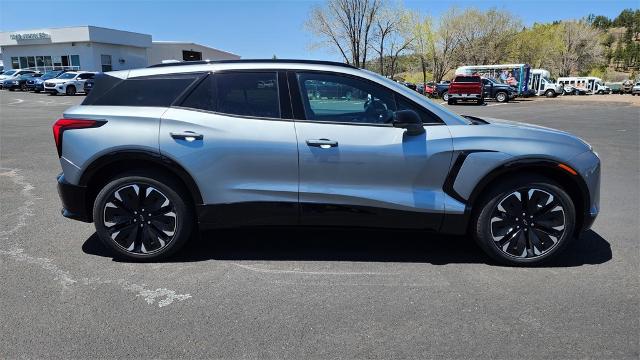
574	185
104	168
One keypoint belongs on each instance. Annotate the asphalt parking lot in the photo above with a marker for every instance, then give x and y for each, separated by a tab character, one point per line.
308	293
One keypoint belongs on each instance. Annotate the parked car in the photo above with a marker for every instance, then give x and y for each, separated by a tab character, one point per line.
498	91
636	89
411	86
466	87
19	82
12	74
627	87
37	84
176	150
442	90
68	83
572	90
88	86
427	89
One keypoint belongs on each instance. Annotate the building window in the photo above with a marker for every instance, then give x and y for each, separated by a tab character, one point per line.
106	63
65	60
47	61
31	62
15	63
75	61
189	55
23	62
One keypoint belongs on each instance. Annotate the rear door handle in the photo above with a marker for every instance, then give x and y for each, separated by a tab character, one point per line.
187	135
322	143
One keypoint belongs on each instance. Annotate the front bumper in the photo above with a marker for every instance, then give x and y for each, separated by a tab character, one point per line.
73	197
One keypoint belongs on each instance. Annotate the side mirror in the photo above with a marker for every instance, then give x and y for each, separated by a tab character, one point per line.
408	119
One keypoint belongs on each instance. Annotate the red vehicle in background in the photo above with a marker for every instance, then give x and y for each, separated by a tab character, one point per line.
426	89
466	87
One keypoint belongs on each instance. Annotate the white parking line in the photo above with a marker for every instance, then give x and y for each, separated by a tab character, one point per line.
16	102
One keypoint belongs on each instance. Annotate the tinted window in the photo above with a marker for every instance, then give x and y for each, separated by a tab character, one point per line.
467	79
249	94
203	96
146	91
238	93
333	97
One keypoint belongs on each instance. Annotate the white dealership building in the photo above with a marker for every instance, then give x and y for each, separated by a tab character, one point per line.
94	48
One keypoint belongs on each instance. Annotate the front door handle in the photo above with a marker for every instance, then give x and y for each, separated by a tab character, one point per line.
322	143
187	135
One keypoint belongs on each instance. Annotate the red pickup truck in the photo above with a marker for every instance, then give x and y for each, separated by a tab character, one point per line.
466	87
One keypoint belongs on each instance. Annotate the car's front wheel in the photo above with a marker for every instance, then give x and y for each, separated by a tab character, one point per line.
142	217
445	96
502	97
524	221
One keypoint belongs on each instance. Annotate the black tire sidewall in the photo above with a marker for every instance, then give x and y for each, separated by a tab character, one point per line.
505	97
68	92
185	220
482	219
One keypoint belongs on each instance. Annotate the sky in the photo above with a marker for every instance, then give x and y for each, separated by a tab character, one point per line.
255	28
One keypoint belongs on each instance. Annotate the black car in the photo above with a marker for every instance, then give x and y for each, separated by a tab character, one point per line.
37	83
20	82
498	91
88	86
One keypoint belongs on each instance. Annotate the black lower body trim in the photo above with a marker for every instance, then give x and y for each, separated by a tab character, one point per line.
73	199
247	214
312	214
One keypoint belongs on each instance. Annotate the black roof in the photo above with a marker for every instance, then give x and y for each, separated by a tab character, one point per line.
268	61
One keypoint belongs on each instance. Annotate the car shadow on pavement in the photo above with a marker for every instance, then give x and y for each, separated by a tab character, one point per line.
367	245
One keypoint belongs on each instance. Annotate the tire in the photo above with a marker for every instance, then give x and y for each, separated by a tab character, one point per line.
71	90
451	101
502	96
12	89
445	96
550	93
140	236
555	219
36	91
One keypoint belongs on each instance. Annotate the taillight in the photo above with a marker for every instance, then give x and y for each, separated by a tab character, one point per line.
61	125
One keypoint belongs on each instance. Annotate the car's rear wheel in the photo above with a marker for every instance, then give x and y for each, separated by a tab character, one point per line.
445	96
525	221
451	101
71	90
142	217
550	93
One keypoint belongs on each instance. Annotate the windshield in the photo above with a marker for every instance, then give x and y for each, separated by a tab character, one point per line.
67	76
50	74
10	72
417	97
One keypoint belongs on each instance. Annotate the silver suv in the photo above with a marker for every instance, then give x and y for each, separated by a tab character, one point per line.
153	154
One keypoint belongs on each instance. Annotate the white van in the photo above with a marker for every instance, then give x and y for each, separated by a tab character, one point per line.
585	84
541	83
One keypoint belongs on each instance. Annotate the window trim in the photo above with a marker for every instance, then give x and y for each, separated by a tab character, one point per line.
298	104
281	87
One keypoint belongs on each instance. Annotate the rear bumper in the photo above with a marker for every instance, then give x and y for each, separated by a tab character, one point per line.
465	96
73	197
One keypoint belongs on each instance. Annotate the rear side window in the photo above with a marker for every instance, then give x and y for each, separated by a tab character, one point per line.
238	93
144	91
467	79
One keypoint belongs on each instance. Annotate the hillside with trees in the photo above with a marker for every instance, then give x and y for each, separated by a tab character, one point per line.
385	37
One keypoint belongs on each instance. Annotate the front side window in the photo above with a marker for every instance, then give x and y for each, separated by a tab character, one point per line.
252	94
338	98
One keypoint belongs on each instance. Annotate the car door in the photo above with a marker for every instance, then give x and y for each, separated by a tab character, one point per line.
231	136
355	167
488	88
81	79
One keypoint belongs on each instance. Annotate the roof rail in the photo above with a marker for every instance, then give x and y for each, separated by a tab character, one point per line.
289	61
